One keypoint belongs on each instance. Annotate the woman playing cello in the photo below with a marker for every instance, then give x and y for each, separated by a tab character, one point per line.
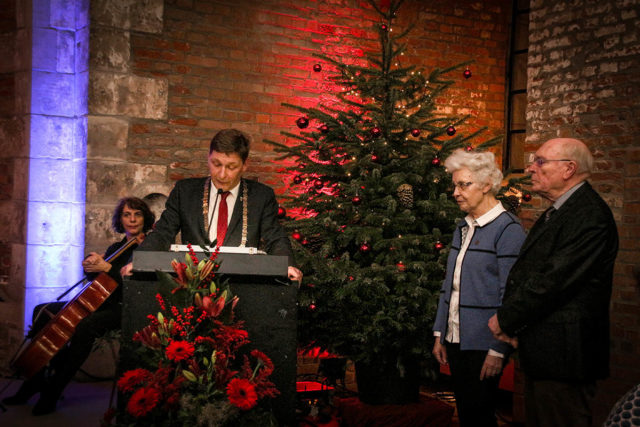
133	218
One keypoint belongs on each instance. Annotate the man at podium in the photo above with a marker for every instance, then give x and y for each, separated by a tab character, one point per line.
223	208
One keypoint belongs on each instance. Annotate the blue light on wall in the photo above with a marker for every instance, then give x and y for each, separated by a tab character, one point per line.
57	159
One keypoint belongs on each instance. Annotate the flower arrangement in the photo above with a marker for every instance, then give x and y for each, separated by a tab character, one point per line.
194	370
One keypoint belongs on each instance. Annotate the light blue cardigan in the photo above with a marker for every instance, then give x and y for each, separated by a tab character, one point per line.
483	277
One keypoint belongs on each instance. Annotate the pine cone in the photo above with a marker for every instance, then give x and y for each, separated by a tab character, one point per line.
405	196
512	203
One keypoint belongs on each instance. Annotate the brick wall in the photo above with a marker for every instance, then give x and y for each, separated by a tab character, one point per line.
232	64
13	175
584	82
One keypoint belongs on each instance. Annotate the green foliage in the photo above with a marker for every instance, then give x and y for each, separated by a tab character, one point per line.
386	192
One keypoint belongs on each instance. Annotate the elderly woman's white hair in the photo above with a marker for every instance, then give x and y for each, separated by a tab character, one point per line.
482	166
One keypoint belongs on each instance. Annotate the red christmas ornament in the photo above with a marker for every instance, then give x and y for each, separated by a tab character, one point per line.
297	179
365	247
317	68
281	212
469	148
401	266
467	73
451	130
435	161
376	132
415	132
439	245
305	242
296	235
374	158
312	306
302	122
356	200
318	184
526	197
324	128
351	278
384	27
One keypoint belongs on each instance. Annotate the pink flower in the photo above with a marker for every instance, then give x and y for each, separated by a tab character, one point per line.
213	308
180	268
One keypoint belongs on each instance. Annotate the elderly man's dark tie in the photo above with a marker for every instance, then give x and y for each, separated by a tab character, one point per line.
548	213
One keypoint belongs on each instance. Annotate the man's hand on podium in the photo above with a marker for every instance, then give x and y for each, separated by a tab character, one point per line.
294	274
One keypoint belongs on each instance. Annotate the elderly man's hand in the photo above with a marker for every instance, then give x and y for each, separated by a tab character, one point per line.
494	327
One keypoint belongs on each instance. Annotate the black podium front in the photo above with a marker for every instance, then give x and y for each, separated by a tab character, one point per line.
267	305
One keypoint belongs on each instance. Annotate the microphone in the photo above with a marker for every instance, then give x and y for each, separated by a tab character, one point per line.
215	205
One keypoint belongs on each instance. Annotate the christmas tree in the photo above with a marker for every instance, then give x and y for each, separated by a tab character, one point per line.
374	215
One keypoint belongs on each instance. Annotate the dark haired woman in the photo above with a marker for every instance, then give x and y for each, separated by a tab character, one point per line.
131	217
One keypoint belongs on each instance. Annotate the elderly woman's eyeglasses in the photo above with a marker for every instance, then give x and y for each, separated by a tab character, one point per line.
461	185
540	161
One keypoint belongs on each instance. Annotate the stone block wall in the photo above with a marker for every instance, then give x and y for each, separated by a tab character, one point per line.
14	169
584	82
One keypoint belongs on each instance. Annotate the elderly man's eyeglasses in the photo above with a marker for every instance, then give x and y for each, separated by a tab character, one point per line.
540	161
461	185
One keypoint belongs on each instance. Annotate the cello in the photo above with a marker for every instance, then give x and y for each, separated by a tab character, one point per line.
59	330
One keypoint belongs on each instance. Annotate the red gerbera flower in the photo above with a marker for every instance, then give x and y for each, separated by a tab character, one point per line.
242	393
133	378
180	350
143	401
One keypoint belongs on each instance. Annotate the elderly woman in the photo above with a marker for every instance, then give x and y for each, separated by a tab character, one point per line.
485	246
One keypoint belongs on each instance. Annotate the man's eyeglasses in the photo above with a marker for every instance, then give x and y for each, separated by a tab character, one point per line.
540	161
461	185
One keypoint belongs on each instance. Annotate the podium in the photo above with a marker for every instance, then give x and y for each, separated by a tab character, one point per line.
267	305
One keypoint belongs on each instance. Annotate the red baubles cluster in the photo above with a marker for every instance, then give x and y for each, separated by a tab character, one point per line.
451	130
302	122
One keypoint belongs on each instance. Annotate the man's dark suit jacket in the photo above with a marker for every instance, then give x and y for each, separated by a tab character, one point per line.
557	296
184	212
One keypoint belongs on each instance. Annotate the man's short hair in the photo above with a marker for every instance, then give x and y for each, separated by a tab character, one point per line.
231	141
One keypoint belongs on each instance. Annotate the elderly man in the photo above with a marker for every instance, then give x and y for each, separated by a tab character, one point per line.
556	302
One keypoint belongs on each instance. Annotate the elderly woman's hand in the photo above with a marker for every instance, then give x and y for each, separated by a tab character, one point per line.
491	367
440	352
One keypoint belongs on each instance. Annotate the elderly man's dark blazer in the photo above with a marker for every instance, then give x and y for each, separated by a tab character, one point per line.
557	295
184	211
